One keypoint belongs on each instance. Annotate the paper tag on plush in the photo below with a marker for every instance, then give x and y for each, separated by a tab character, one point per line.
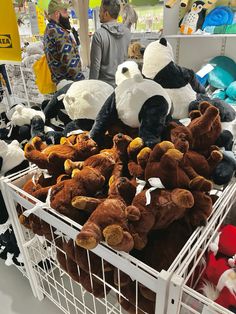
75	132
205	70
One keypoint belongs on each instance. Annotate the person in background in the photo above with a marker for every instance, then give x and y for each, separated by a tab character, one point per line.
60	48
109	43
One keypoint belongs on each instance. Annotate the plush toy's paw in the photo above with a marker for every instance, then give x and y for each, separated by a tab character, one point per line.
182	198
197	219
38	143
194	114
135	146
127	243
143	155
132	213
165	146
28	149
174	154
113	234
89	237
200	184
216	155
70	165
86	203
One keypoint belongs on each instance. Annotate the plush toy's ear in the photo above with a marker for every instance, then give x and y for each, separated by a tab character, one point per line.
142	49
163	41
124	70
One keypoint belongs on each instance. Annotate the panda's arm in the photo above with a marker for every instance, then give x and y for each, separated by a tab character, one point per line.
152	119
191	78
105	117
54	105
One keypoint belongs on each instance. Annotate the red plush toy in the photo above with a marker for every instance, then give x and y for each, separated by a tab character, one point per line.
219	282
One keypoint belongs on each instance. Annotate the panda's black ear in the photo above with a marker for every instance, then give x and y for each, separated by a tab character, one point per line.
124	70
142	49
163	41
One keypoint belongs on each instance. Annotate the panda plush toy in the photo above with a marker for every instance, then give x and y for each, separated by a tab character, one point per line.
180	83
137	103
80	101
11	160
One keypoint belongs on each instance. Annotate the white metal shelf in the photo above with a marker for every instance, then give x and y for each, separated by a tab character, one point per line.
180	36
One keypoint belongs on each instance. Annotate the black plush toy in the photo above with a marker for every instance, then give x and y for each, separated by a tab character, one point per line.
180	83
137	103
225	170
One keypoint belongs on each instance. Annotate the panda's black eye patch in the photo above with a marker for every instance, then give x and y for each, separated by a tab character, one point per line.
1	162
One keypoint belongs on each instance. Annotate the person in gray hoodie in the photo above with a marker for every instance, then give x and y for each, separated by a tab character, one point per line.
109	44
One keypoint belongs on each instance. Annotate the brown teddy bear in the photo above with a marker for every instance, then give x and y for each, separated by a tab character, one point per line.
165	162
53	157
107	159
84	182
193	162
109	221
138	158
165	207
205	127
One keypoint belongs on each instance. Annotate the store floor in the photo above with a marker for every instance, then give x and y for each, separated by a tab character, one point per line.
16	296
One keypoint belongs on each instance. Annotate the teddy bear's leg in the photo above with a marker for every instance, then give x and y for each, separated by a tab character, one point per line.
70	165
86	203
198	214
38	143
200	184
35	156
194	114
143	156
126	245
159	150
132	213
90	236
135	147
215	157
42	193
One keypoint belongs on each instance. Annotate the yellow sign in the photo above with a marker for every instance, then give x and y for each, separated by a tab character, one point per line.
9	36
94	3
41	20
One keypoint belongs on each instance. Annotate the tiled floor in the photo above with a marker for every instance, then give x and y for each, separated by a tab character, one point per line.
16	296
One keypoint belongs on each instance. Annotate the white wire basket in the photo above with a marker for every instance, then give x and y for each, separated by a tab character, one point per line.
187	269
96	281
80	281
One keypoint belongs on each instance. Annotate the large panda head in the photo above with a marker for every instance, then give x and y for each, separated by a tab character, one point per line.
126	70
84	99
157	56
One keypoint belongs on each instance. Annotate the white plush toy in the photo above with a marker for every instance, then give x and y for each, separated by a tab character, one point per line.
23	115
11	155
84	99
126	70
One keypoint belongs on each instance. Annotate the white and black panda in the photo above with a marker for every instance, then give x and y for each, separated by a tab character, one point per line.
180	83
80	101
137	103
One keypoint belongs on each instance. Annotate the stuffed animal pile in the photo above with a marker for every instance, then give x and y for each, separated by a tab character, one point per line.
130	196
127	173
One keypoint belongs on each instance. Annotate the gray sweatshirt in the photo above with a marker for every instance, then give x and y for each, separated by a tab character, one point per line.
109	49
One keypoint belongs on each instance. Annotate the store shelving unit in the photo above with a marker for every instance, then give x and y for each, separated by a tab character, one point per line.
193	51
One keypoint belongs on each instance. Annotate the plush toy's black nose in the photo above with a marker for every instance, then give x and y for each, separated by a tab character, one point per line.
122	180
